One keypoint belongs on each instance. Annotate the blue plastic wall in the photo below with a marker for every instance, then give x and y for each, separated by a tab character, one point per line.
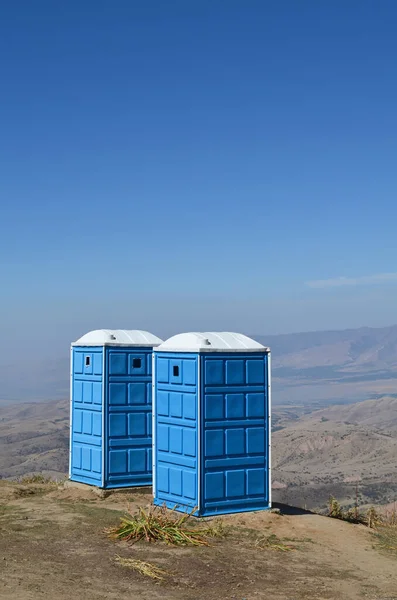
235	441
176	435
212	434
111	439
128	423
86	427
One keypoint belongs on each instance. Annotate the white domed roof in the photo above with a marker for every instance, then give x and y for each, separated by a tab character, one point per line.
118	337
211	341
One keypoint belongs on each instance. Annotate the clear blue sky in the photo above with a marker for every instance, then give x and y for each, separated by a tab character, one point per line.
202	164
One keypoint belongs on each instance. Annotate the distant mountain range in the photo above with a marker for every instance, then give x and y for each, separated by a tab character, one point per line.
326	367
311	368
352	348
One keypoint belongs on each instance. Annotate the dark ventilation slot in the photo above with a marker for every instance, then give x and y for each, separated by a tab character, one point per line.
175	371
87	361
136	363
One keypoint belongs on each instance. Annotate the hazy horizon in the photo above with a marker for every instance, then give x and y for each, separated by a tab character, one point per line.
314	358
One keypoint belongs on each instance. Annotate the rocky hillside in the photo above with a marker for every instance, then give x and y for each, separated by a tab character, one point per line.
379	414
34	437
332	451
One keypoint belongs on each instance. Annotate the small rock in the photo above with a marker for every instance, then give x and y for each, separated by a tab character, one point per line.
275	511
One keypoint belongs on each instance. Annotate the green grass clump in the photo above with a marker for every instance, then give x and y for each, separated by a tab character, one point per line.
157	524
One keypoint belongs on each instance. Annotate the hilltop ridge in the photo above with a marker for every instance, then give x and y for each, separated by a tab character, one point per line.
53	545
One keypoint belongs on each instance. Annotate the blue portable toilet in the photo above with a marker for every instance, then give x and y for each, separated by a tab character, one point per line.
111	408
211	413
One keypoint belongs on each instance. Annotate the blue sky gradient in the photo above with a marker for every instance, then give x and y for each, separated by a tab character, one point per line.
196	165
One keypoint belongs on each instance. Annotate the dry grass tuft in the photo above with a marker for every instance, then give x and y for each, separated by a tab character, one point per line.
274	543
386	539
144	568
389	516
37	478
372	518
158	524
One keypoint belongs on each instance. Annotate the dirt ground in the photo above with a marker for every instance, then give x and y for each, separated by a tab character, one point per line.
52	545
